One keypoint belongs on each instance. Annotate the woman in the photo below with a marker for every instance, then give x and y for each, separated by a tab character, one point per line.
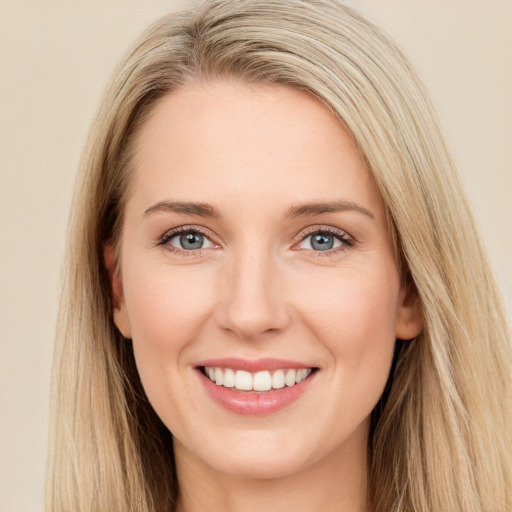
275	295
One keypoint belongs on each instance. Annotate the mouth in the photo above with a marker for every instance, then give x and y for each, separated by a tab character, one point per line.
255	388
256	382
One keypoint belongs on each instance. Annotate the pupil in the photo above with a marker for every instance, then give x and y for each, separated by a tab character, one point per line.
191	241
322	242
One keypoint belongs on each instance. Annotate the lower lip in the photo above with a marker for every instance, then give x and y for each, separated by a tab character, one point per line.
255	404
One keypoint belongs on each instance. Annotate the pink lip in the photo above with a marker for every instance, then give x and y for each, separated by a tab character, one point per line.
254	403
256	365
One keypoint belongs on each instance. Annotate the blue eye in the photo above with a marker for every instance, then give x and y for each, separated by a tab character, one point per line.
189	241
321	241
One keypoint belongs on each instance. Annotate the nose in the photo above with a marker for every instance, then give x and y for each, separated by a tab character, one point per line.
252	299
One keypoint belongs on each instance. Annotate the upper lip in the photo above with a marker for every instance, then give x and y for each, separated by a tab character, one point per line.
253	365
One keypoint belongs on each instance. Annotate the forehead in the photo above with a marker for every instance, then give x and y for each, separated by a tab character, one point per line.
230	141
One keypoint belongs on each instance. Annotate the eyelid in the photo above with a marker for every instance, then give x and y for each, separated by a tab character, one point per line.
163	240
321	228
346	239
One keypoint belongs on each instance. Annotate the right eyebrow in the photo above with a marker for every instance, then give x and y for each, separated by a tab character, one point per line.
308	209
188	208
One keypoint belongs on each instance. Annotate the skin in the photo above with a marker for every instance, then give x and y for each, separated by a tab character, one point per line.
259	289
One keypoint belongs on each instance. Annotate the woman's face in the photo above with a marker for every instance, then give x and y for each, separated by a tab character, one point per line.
255	252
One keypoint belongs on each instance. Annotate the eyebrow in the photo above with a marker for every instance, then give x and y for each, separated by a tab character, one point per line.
302	210
188	208
308	209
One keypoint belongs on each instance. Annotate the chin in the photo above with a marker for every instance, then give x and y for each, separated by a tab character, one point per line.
260	469
260	461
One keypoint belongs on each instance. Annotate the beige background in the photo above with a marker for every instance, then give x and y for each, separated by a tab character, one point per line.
55	59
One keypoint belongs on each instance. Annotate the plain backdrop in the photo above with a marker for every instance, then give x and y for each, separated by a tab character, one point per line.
56	57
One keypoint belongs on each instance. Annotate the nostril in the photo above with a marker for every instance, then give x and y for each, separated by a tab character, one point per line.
253	321
251	300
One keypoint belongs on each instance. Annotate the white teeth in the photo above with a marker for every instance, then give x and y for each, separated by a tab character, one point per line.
289	380
259	381
302	374
229	378
243	380
278	379
262	381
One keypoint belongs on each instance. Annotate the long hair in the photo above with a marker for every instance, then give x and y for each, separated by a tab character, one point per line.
441	440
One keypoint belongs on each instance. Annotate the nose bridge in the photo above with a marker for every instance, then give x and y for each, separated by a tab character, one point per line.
252	300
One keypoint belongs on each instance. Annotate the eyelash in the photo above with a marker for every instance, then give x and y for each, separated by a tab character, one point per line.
346	241
167	237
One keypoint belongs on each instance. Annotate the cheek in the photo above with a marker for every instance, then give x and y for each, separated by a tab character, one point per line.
160	299
354	308
353	316
167	310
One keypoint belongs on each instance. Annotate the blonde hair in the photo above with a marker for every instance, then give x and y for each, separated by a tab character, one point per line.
441	439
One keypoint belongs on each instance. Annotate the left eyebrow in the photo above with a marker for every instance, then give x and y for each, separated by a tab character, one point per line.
307	209
188	208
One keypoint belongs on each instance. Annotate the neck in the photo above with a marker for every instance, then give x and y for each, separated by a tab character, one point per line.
333	484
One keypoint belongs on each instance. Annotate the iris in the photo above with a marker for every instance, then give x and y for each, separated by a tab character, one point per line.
191	241
322	242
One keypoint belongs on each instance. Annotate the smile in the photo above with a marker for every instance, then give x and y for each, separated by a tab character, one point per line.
265	380
255	387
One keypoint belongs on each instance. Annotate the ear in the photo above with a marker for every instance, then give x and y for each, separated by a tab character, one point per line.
409	320
116	289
